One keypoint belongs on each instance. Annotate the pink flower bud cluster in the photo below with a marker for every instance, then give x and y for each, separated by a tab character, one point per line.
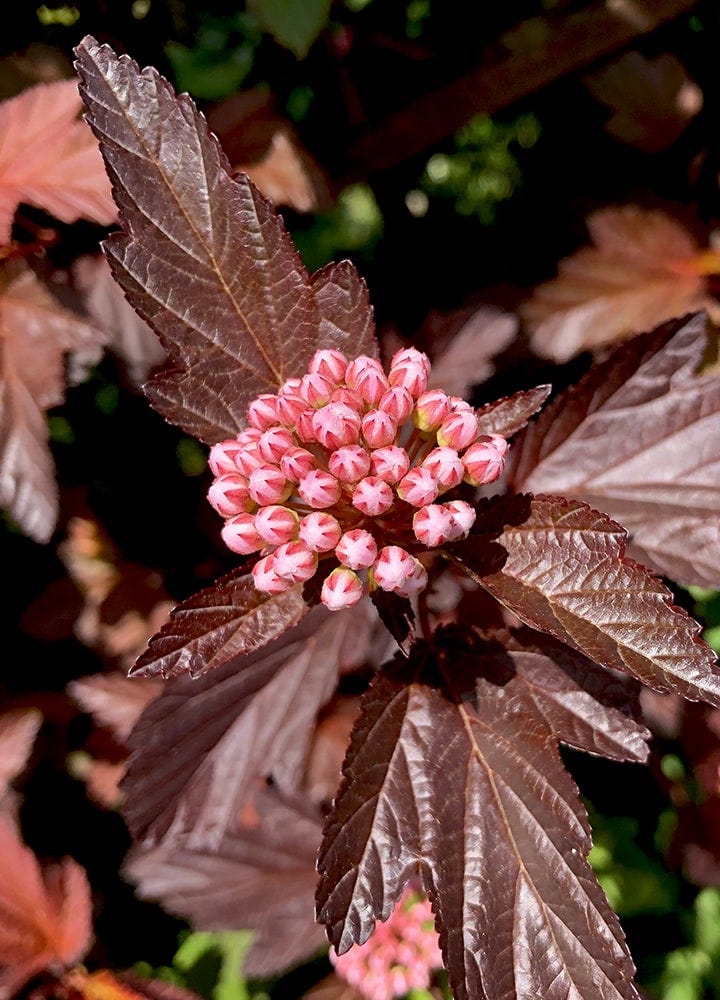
401	954
347	461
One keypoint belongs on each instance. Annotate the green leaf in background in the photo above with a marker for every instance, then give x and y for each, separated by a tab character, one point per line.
294	24
693	972
222	55
707	608
210	964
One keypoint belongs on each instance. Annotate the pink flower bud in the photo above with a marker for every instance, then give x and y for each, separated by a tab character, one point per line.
249	459
266	579
350	463
223	455
315	389
229	495
379	428
357	549
390	463
304	426
418	487
289	409
262	412
392	568
410	355
433	525
485	459
372	384
320	531
336	425
359	365
463	516
411	375
248	435
268	485
239	534
431	409
276	525
458	430
445	466
416	582
341	589
296	463
398	403
349	397
290	386
329	363
319	489
295	562
274	442
372	496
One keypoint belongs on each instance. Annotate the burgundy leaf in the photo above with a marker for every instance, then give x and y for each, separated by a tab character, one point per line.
114	700
261	877
509	415
584	706
218	624
18	730
561	567
200	747
204	258
639	438
457	776
397	615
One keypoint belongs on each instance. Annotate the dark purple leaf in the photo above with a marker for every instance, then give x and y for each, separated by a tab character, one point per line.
509	415
454	773
200	747
397	615
639	438
216	625
261	877
561	567
204	258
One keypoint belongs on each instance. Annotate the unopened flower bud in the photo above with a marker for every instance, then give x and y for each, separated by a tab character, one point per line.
398	403
320	531
290	386
392	568
463	517
372	384
411	375
222	457
416	582
275	442
359	365
266	579
349	397
319	489
240	536
262	412
336	425
357	549
276	524
445	466
304	426
418	487
342	589
249	459
229	495
289	409
379	429
316	390
349	464
432	407
410	355
484	460
390	463
294	561
433	525
248	435
458	430
296	463
268	485
329	363
372	496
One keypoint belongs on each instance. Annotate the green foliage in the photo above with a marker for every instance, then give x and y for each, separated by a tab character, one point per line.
692	972
221	57
294	24
355	223
707	608
484	170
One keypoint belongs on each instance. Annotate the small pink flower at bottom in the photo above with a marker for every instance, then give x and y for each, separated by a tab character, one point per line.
401	954
266	579
342	589
393	567
294	561
416	582
357	549
433	525
320	531
240	536
484	461
463	517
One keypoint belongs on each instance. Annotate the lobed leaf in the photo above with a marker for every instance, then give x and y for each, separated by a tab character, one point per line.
561	567
199	749
639	438
509	415
216	625
204	258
